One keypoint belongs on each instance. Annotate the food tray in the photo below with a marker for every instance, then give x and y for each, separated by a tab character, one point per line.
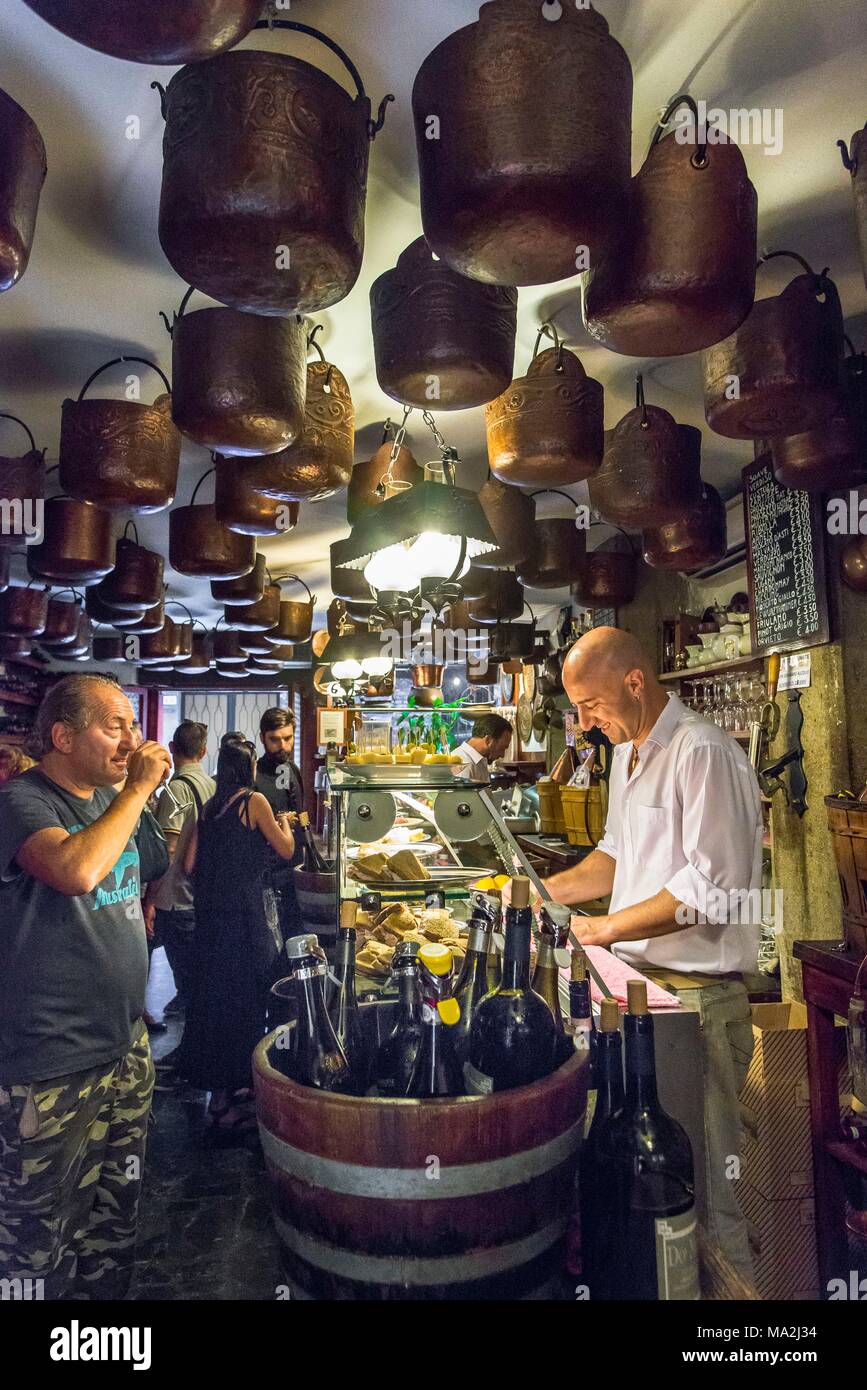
399	774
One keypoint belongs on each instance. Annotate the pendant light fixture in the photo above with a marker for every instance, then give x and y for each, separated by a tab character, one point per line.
422	538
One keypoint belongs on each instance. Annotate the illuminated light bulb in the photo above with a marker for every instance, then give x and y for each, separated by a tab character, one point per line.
375	666
349	670
393	570
437	556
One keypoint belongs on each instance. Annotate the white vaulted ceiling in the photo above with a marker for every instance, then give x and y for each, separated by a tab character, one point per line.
97	277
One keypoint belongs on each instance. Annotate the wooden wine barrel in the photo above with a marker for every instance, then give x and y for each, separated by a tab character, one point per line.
460	1198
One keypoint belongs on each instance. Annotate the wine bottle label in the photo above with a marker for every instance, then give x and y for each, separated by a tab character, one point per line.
677	1257
476	1082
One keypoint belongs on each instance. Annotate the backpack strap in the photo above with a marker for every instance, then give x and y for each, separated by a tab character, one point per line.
188	782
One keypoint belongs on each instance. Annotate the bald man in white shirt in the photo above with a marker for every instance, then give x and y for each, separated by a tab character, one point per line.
682	860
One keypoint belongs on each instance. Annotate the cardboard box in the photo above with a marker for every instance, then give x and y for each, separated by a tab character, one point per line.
782	1243
776	1157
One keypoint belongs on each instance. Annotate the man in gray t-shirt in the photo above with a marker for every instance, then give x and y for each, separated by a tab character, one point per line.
75	1069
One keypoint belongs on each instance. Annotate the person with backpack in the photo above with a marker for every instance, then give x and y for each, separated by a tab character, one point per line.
169	901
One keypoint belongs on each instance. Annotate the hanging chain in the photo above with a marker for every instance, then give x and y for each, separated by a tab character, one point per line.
397	444
432	426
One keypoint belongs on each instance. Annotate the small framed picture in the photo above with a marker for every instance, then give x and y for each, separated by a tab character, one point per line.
330	726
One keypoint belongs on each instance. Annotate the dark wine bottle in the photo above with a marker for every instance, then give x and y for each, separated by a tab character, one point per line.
342	1003
312	862
314	1057
436	1071
598	1215
655	1254
395	1057
513	1036
472	983
581	1025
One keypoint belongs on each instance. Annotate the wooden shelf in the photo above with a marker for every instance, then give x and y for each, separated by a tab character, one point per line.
716	667
18	740
848	1152
14	698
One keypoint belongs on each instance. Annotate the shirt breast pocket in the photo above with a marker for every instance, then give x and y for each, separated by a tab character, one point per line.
653	837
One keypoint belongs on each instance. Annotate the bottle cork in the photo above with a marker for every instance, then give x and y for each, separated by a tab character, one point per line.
636	996
578	965
348	913
520	892
609	1016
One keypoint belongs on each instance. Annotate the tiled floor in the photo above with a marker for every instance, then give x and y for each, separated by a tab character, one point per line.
205	1230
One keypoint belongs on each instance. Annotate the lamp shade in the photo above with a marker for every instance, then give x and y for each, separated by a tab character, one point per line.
427	510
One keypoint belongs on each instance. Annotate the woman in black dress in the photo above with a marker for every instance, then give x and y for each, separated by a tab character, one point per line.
233	948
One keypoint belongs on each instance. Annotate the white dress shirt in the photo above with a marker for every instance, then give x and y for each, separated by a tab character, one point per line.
689	819
475	762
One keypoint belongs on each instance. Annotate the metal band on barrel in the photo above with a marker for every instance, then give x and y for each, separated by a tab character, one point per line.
414	1184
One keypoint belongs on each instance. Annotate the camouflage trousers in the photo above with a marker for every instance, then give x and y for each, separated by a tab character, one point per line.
71	1159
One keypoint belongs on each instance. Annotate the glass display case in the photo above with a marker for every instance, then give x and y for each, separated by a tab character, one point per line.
403	831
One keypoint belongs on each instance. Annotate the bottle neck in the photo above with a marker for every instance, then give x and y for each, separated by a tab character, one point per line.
516	953
407	996
609	1075
345	965
640	1062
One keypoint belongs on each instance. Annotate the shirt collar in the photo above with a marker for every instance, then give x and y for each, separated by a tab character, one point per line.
664	728
472	753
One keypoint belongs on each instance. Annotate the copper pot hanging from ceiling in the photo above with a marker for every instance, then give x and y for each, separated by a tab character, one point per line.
254	644
227	648
438	338
259	616
320	462
239	379
546	429
855	161
651	468
835	454
248	589
502	600
558	556
475	583
162	646
149	622
684	275
199	545
22	174
136	582
108	648
692	540
77	650
162	31
785	360
23	611
77	544
22	489
61	623
295	620
102	612
15	648
607	580
367	475
244	509
265	179
511	516
123	455
523	128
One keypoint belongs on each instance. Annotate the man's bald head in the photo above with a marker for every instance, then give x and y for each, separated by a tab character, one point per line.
612	683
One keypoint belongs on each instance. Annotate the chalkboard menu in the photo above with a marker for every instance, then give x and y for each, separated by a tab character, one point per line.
785	533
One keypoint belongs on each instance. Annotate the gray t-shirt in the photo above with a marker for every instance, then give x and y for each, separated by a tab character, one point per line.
175	893
73	970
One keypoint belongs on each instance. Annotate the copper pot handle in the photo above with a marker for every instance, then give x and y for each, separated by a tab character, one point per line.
373	127
177	601
179	312
821	279
114	362
548	330
284	579
699	159
207	473
554	492
4	416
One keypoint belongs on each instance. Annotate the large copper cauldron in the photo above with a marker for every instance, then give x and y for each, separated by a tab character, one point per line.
227	648
102	612
295	620
77	545
558	555
136	582
241	507
320	462
200	545
855	160
441	341
22	487
547	429
239	379
786	359
523	129
123	455
160	31
502	600
76	650
258	616
651	468
691	541
367	475
835	454
22	174
247	589
149	622
23	611
264	180
61	624
511	516
685	274
108	648
200	660
607	580
162	646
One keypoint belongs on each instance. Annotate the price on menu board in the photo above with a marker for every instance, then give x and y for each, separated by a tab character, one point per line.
786	563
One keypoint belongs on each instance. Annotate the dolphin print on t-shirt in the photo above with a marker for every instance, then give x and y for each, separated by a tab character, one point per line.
122	891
